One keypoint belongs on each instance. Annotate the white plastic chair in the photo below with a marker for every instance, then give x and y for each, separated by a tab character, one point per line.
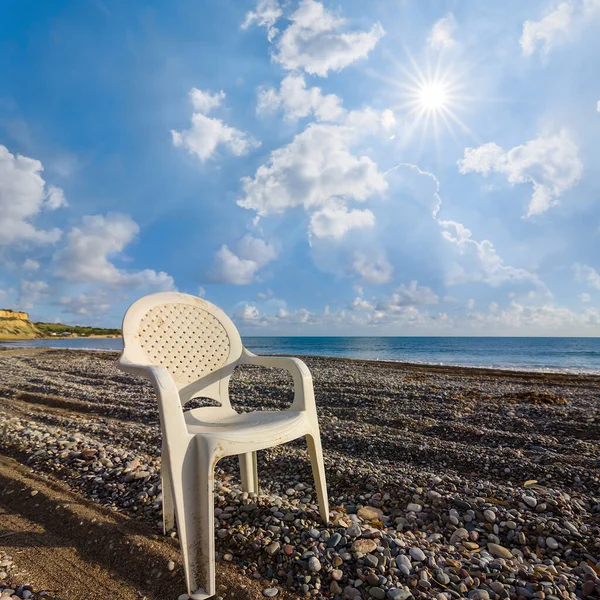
189	348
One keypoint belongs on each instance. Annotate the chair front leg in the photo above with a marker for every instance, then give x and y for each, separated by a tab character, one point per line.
201	525
168	504
193	491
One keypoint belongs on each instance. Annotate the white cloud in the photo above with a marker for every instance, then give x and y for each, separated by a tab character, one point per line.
482	261
408	295
315	167
550	162
23	195
548	31
585	297
360	303
55	198
204	102
422	185
335	220
31	265
85	259
31	292
267	13
206	134
471	303
440	37
586	274
404	319
523	319
314	42
598	106
298	101
93	304
373	269
267	101
241	267
557	25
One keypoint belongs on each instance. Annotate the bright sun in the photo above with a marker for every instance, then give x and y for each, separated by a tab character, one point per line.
433	96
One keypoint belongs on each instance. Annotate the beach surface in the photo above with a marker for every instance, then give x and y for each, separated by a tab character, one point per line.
444	482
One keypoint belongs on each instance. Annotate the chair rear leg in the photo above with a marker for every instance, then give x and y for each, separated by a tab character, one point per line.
168	504
315	452
255	470
249	472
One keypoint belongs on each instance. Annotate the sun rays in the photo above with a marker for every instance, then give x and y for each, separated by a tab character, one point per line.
432	100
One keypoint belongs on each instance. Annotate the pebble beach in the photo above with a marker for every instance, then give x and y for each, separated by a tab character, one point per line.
444	482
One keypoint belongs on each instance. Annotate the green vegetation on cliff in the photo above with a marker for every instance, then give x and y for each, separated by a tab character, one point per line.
49	329
17	326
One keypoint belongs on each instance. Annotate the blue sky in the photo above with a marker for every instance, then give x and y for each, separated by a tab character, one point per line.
314	168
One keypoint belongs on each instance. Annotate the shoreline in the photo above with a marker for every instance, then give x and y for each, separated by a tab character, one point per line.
499	371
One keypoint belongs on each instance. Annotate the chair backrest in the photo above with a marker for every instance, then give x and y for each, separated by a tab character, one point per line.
188	335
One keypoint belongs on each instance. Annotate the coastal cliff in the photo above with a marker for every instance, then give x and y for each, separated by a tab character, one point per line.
17	326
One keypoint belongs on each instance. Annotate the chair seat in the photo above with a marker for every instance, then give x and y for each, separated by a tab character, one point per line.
265	428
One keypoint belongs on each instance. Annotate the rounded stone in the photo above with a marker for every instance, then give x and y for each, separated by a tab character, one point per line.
370	513
499	551
314	564
364	546
551	543
417	554
489	515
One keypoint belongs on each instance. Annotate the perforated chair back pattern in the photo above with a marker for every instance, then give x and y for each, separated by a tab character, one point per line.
188	336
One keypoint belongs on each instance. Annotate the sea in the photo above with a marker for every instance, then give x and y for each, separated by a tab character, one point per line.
551	354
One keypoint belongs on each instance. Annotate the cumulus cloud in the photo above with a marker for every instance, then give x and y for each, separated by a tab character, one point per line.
85	258
373	269
297	101
31	292
550	162
240	267
24	195
316	43
586	274
408	295
481	261
91	305
266	14
524	319
384	316
548	31
204	102
335	220
440	37
557	25
360	315
206	134
315	167
423	186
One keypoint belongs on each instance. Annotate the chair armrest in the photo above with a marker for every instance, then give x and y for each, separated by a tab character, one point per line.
169	404
304	395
